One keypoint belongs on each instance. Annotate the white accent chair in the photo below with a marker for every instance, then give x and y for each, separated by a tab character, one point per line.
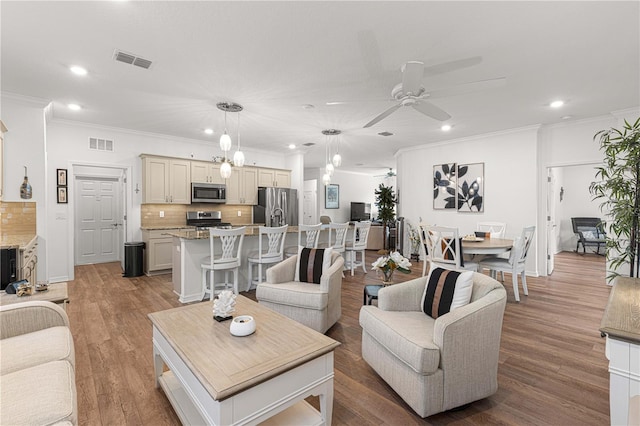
357	245
311	236
516	263
318	306
228	260
444	247
275	237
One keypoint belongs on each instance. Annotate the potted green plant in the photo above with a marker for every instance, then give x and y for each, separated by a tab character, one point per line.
386	202
619	190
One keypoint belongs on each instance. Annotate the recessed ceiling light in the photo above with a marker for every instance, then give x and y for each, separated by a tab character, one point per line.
208	131
445	127
78	70
292	146
74	107
556	104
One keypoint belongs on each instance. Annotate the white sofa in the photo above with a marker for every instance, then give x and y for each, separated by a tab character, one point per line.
435	364
37	366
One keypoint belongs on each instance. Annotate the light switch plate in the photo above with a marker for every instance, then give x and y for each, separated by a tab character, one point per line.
161	213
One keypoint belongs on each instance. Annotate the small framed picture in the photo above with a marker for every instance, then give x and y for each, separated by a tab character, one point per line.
332	196
62	195
62	177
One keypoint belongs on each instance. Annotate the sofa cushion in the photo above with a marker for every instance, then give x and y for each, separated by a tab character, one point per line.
303	295
311	264
408	335
446	291
41	395
27	350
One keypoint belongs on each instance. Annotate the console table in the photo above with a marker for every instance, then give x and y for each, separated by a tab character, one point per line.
621	325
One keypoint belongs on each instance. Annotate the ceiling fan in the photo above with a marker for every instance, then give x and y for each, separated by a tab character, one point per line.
391	173
411	92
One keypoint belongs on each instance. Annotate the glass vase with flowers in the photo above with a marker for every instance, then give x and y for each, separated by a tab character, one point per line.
385	266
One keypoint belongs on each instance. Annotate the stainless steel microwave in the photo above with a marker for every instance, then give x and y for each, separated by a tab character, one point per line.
208	193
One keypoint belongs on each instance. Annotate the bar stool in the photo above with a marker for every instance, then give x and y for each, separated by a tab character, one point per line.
274	254
358	245
311	237
339	243
229	258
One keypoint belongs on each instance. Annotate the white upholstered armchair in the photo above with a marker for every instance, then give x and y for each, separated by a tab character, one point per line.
435	364
318	306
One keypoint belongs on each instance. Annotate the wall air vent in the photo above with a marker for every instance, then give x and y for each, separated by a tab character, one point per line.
96	144
131	59
308	144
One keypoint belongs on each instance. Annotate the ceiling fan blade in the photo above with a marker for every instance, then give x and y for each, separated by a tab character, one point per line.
385	114
474	86
412	77
427	108
357	101
452	66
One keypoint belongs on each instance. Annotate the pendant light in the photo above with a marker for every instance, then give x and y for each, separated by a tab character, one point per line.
238	156
225	139
225	169
337	158
336	161
326	178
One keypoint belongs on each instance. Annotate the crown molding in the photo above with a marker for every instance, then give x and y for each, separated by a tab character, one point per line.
28	100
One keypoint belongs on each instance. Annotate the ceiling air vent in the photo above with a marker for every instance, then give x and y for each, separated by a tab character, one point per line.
96	144
308	144
131	59
385	134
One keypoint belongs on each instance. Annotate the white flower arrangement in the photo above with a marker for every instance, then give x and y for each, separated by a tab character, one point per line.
388	264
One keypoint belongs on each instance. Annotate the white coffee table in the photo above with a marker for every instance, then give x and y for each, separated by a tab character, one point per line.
216	378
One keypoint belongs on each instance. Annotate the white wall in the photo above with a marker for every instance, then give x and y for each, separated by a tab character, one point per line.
510	182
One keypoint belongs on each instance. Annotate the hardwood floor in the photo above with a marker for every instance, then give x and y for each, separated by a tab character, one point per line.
552	364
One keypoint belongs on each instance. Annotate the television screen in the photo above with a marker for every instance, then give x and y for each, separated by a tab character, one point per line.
360	211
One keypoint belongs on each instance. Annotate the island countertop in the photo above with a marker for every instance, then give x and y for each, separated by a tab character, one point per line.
252	230
19	241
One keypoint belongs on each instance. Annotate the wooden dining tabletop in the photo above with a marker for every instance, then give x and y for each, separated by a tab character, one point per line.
487	246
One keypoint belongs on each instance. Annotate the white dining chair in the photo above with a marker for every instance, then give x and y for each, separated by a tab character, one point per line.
274	253
495	229
308	237
422	232
226	258
516	263
357	245
445	249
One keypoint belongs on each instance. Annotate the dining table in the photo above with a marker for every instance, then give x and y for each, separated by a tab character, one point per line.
481	246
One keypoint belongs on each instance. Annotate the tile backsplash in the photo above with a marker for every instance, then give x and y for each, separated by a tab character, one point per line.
175	214
17	218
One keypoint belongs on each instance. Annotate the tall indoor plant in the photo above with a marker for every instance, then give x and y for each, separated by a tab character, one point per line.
619	190
386	203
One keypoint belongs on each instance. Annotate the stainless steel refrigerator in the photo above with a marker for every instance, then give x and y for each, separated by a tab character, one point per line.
276	207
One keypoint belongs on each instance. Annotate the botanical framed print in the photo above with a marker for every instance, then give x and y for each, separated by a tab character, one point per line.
332	196
444	186
62	177
62	195
470	197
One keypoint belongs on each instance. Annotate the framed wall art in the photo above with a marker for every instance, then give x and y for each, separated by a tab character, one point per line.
332	196
62	195
62	177
444	186
470	198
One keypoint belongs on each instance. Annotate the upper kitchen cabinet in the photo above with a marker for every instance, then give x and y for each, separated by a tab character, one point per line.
205	172
242	186
274	178
166	180
3	130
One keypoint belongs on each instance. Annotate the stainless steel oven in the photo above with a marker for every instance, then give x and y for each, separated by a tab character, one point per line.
208	193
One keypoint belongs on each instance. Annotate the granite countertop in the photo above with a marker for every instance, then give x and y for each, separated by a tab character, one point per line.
621	318
252	231
19	241
160	228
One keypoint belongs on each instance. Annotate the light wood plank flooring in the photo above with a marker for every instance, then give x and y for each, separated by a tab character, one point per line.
552	364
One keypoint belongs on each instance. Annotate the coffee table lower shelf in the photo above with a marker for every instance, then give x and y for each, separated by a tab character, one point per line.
301	413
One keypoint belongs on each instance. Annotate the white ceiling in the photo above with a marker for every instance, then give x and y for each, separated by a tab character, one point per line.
275	57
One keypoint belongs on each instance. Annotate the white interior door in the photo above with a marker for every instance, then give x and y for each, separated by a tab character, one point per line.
98	228
551	220
310	210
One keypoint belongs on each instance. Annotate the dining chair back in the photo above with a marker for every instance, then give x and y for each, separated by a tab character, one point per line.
226	258
274	252
445	248
358	245
308	237
422	232
495	229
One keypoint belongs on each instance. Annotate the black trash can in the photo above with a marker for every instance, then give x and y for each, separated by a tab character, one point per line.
133	258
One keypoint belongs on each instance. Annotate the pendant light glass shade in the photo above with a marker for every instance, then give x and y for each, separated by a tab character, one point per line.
329	169
337	160
326	179
238	158
225	142
225	170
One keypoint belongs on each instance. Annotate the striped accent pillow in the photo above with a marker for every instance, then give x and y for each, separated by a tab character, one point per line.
446	291
311	264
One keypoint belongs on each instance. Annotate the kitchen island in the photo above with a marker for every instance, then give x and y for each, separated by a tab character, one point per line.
190	247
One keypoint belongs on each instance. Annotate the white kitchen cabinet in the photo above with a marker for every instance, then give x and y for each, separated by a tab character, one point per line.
158	257
242	186
274	178
166	180
3	130
205	172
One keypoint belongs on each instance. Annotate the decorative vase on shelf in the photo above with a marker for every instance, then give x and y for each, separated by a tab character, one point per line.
25	188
